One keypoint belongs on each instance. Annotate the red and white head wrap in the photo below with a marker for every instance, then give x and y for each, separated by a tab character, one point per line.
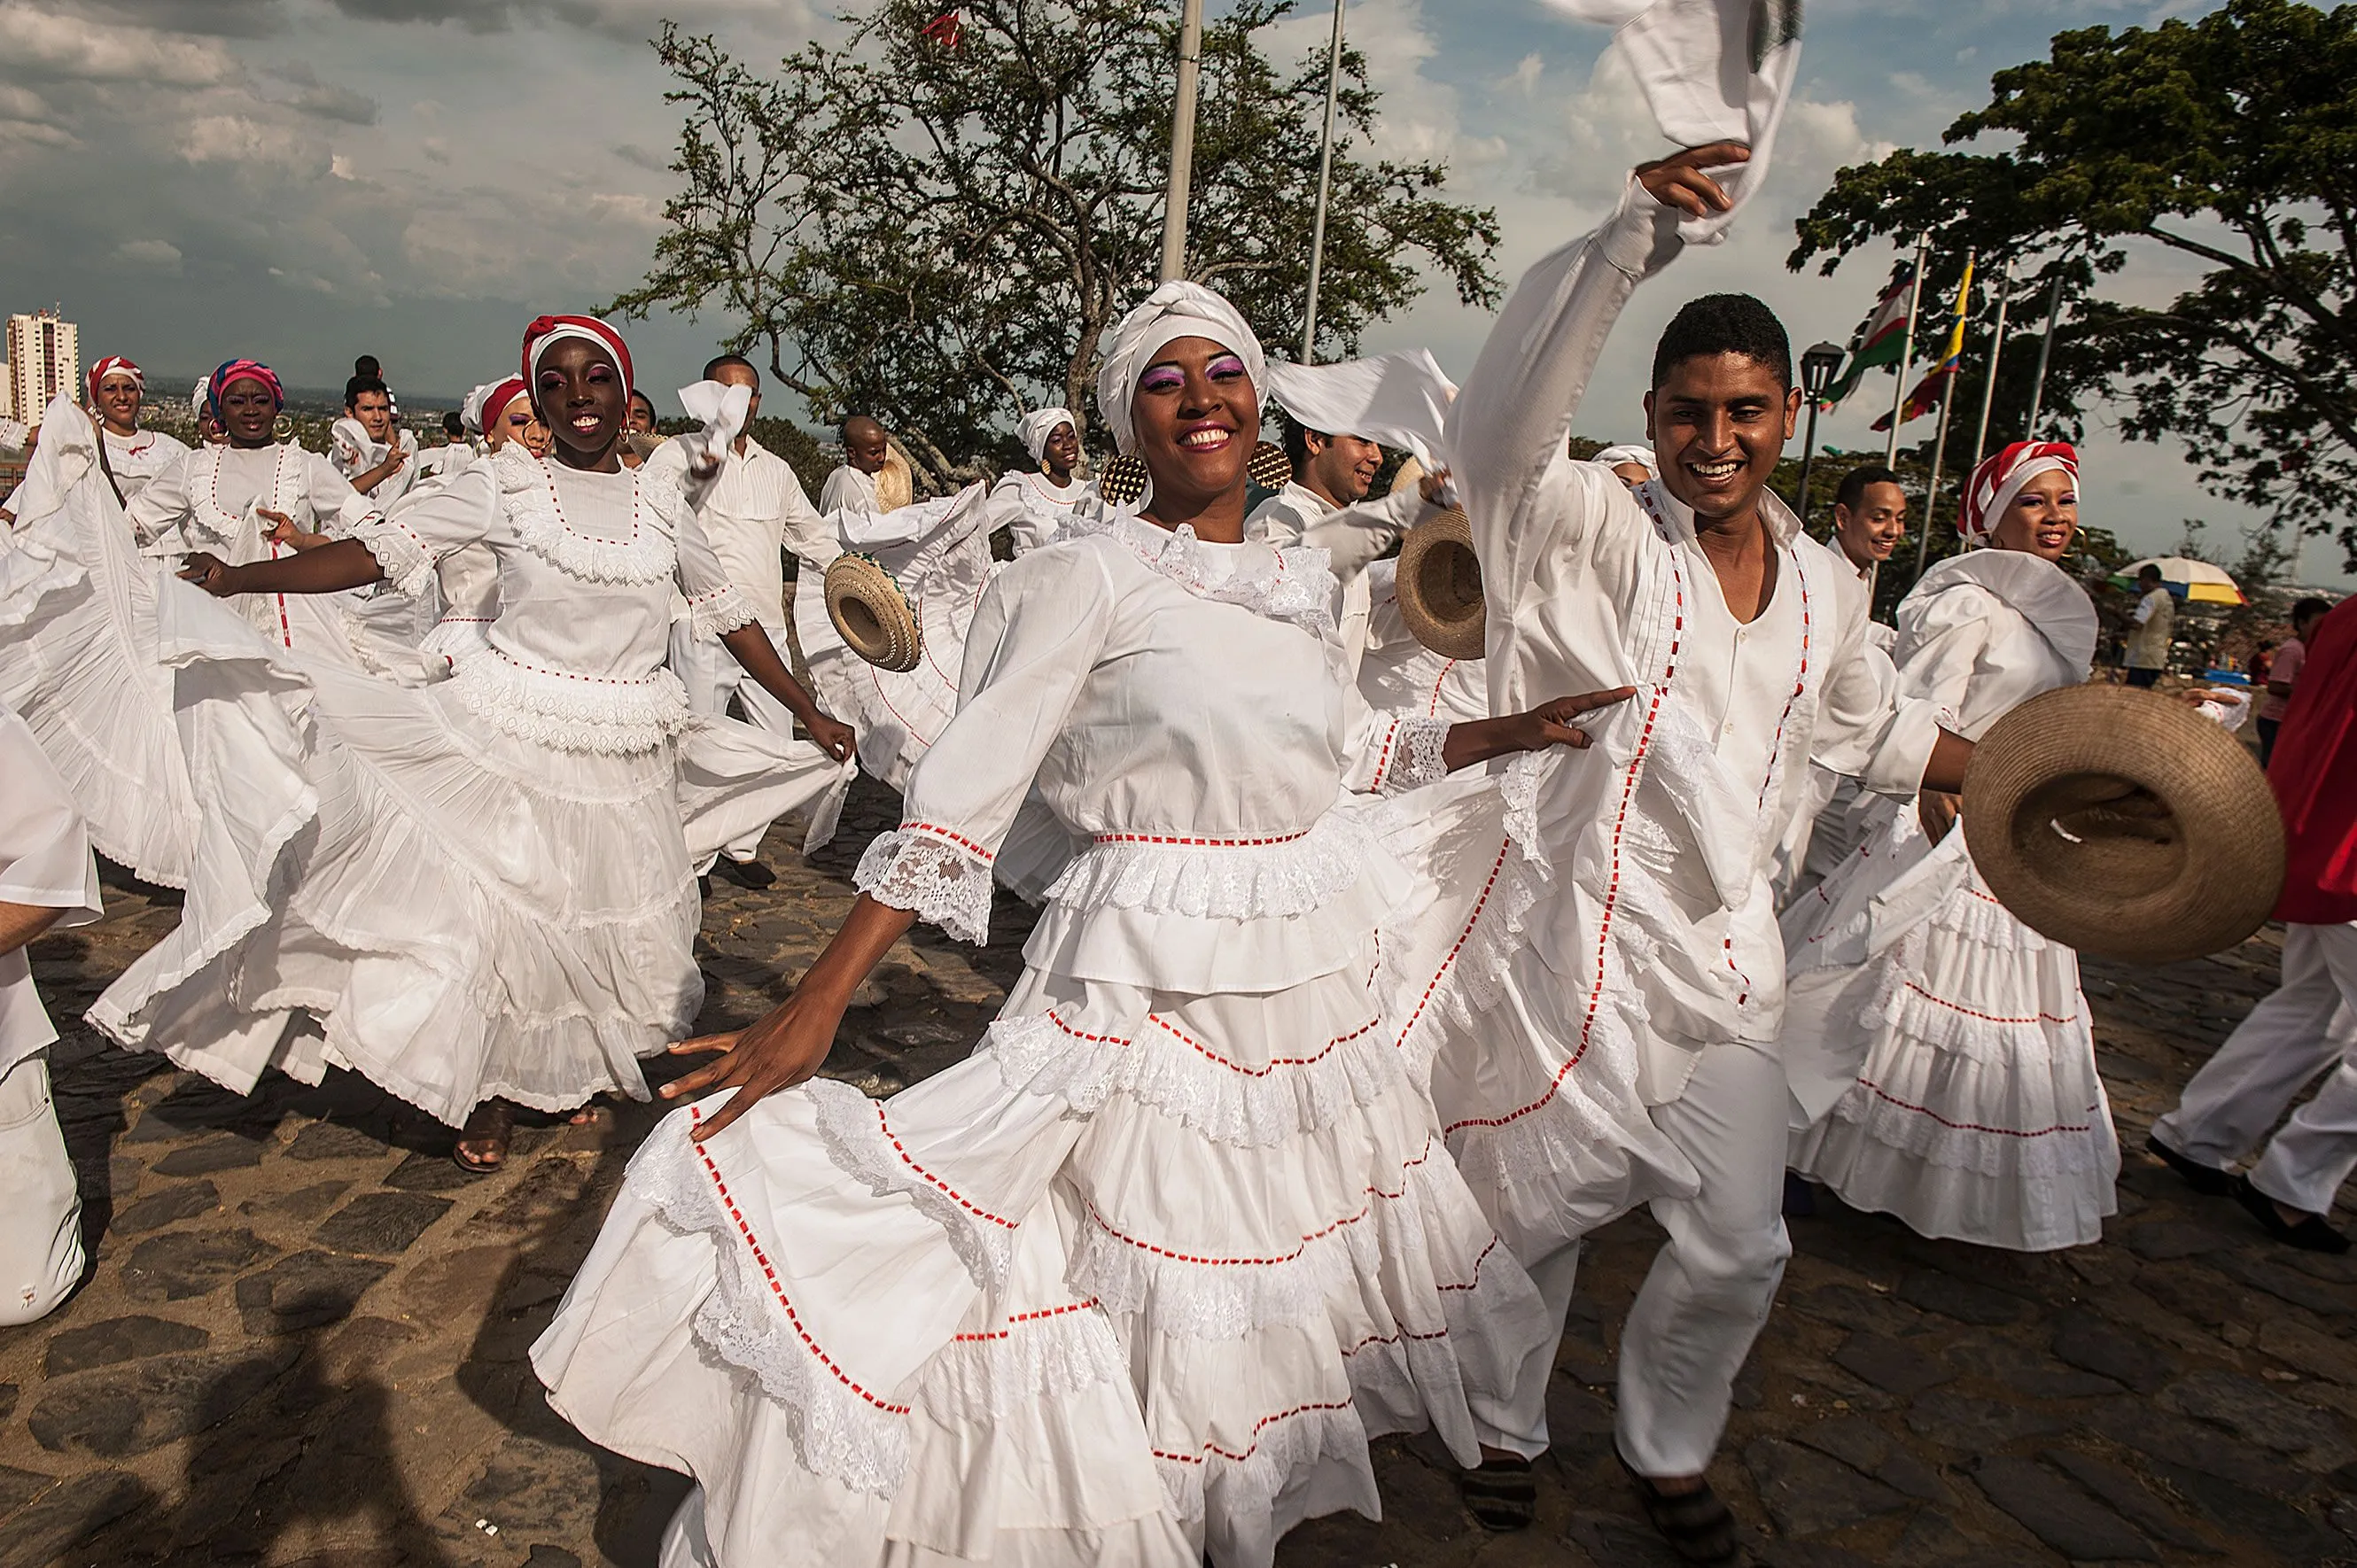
113	364
241	370
1999	479
486	403
546	331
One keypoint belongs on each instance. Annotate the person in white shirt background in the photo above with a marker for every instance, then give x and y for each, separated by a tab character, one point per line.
852	486
118	390
1032	503
455	451
1325	505
753	512
1869	517
48	877
2154	627
367	447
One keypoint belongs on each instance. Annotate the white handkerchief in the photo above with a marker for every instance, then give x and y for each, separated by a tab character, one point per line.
721	408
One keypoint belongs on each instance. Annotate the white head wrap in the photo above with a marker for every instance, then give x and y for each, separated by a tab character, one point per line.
1173	311
1613	457
1042	423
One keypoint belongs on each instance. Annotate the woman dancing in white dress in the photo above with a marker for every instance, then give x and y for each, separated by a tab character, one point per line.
1032	503
1942	1065
118	390
1140	1278
475	894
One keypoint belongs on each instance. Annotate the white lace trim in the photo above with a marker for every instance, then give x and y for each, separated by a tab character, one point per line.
1972	914
528	489
835	1433
1248	1487
1212	1299
943	883
723	609
851	1127
1228	878
400	554
1038	1054
1047	1355
1419	759
2023	1034
569	713
1295	584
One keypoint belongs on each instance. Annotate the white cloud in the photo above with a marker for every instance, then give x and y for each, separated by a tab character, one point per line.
1524	78
148	256
46	44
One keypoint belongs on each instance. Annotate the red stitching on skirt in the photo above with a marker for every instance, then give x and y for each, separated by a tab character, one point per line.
1985	1017
884	1124
1200	842
956	838
1008	1332
1974	1126
1275	1062
1318	1235
1262	1424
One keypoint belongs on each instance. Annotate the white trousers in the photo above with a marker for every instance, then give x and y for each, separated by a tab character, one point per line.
2307	1025
1707	1295
711	676
40	1222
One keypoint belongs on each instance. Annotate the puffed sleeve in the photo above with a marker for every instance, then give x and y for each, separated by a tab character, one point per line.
162	503
1939	645
427	525
1039	631
1869	725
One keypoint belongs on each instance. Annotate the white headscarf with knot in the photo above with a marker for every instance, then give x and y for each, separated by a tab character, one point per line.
1040	425
1173	311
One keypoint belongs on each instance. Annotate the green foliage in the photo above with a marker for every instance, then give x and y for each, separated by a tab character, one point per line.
941	236
2228	142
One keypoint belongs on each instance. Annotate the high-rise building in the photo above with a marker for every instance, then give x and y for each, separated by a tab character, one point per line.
8	393
44	360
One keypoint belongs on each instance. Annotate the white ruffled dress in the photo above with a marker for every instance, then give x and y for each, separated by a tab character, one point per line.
1939	1050
77	618
1141	1277
479	888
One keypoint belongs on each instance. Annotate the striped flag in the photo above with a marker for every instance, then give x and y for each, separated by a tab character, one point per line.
1880	338
1934	385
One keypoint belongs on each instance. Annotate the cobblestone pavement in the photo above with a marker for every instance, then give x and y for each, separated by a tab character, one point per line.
304	1339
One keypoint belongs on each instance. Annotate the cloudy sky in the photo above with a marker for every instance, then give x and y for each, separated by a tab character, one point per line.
303	180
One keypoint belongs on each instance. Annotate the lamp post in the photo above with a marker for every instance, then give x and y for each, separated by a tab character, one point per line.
1325	189
1817	367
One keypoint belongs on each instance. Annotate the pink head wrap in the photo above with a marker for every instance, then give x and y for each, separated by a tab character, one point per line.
111	365
241	370
546	331
1999	479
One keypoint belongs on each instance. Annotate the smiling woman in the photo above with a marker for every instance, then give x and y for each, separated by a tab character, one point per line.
1178	1238
475	894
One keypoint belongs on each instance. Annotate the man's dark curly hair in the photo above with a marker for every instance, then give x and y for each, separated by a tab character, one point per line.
1724	324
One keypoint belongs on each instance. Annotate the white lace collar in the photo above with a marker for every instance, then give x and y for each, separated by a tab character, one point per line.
205	508
528	489
1295	584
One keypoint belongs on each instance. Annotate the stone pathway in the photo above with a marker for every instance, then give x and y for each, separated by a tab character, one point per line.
304	1339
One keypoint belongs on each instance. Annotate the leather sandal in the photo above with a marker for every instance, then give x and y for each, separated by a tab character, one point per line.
1695	1524
1503	1495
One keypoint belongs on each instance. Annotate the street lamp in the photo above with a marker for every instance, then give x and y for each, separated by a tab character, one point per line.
1817	368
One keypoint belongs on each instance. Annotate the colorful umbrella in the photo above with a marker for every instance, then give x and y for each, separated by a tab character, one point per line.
2196	582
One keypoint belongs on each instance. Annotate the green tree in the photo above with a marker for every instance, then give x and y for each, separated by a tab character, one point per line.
2227	144
942	233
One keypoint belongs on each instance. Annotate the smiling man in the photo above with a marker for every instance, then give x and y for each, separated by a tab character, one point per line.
1869	517
1646	947
1325	504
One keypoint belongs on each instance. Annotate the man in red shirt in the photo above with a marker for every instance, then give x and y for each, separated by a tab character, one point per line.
2311	1022
2283	668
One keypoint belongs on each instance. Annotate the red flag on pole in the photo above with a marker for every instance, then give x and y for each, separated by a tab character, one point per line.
948	29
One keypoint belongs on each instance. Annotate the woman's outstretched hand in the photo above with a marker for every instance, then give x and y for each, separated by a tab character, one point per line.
1678	181
778	1052
1549	724
210	573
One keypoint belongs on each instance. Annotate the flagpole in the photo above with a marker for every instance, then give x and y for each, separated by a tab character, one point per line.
1907	349
1997	349
1324	189
1182	142
1940	441
2044	352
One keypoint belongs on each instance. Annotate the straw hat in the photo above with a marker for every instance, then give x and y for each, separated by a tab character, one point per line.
896	482
1406	477
1439	586
871	614
2122	824
1270	468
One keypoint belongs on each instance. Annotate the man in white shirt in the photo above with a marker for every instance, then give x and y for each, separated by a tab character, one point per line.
1747	646
1869	517
753	513
852	486
1325	505
368	448
455	452
2152	630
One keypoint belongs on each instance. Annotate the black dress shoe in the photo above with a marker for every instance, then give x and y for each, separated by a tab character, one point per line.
2310	1234
2206	1179
749	873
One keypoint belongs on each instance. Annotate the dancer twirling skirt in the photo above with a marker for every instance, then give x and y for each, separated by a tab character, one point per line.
1140	1278
475	891
1939	1051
